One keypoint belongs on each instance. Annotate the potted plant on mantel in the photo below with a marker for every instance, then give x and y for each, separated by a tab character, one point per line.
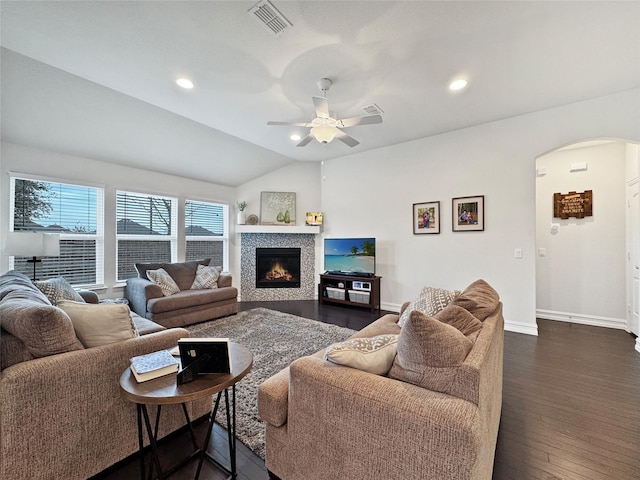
242	217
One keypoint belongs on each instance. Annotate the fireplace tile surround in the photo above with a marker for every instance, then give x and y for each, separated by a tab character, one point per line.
248	244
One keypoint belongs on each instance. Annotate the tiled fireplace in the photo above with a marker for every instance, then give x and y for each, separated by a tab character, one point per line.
288	278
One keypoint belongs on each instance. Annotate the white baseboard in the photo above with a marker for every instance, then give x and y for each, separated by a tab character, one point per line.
519	327
593	320
638	344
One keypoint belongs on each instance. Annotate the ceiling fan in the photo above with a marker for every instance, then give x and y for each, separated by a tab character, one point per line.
325	127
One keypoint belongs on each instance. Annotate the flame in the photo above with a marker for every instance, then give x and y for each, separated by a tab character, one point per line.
278	272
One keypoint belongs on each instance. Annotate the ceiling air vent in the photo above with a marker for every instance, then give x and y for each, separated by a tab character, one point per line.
270	18
373	109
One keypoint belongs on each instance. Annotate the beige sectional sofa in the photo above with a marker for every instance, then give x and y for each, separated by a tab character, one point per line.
329	421
61	413
186	306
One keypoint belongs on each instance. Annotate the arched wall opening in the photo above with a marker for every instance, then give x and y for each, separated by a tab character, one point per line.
583	265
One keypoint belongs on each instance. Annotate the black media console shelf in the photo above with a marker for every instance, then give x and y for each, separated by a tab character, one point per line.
350	290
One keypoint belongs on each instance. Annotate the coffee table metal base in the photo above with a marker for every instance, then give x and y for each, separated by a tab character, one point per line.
152	433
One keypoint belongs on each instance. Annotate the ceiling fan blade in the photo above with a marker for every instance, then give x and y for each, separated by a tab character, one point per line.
344	138
295	124
322	107
304	141
365	120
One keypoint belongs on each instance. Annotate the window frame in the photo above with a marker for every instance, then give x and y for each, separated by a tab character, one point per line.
98	237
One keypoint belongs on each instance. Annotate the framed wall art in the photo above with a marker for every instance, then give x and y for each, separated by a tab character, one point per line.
468	214
278	208
426	218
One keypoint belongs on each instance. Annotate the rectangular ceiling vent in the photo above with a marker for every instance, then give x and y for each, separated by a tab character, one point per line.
373	109
270	18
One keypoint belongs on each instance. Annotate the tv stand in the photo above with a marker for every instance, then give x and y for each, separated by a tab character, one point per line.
350	290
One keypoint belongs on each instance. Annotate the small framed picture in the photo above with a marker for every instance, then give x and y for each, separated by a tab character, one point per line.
468	214
426	218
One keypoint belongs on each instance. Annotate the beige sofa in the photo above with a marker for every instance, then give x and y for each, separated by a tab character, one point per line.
328	421
185	307
61	413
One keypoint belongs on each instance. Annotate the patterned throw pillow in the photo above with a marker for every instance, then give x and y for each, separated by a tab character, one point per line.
206	277
164	281
430	301
57	289
373	355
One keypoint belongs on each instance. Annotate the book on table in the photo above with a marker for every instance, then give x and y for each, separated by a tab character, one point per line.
153	365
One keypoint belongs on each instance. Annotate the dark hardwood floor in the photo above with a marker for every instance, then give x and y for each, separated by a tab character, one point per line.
570	411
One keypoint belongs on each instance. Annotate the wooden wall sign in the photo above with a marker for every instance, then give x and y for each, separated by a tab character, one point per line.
572	204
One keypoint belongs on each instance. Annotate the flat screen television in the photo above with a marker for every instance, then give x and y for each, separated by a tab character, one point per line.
350	256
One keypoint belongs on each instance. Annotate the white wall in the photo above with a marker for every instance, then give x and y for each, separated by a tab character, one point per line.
372	193
582	276
303	178
21	159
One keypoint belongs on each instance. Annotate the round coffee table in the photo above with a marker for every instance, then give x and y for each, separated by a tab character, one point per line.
166	391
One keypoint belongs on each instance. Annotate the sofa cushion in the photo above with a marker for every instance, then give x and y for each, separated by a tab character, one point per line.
183	273
429	353
479	298
460	318
206	277
44	329
430	301
161	278
100	324
57	289
373	355
191	298
12	350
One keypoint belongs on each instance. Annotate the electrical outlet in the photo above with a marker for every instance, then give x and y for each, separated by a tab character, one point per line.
517	253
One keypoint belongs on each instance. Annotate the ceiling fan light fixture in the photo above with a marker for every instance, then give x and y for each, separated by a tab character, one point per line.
323	133
295	137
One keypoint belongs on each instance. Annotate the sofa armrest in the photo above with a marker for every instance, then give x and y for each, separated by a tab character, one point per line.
224	280
89	296
381	419
139	291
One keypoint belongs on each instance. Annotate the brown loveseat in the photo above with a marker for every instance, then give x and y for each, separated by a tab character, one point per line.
61	413
188	305
329	421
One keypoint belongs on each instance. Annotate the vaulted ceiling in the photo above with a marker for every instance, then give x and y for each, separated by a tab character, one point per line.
97	78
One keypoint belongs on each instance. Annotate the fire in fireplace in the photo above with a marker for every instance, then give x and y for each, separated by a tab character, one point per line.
277	268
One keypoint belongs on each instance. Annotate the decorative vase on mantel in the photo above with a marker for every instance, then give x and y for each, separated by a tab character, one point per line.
242	218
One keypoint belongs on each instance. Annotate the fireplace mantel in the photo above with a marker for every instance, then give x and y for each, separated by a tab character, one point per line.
308	229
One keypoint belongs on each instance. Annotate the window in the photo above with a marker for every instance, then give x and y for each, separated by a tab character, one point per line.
76	213
206	232
146	231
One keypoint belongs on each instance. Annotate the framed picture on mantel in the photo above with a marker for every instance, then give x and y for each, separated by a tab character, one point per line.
278	208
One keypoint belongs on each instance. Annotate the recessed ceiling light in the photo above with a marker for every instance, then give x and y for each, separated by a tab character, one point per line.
185	83
457	84
295	137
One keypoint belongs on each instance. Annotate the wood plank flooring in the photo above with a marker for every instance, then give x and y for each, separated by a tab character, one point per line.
571	405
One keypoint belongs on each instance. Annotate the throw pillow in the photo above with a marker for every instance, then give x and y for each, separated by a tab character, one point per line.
206	277
479	298
430	301
373	355
429	353
164	281
100	324
460	318
57	289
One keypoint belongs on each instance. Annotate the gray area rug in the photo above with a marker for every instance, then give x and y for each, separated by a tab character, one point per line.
275	339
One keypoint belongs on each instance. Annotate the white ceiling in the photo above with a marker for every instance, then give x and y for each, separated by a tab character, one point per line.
96	78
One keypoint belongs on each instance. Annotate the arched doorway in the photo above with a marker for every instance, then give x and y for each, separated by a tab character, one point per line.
584	267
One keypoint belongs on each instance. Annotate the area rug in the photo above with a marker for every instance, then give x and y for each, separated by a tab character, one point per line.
275	339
